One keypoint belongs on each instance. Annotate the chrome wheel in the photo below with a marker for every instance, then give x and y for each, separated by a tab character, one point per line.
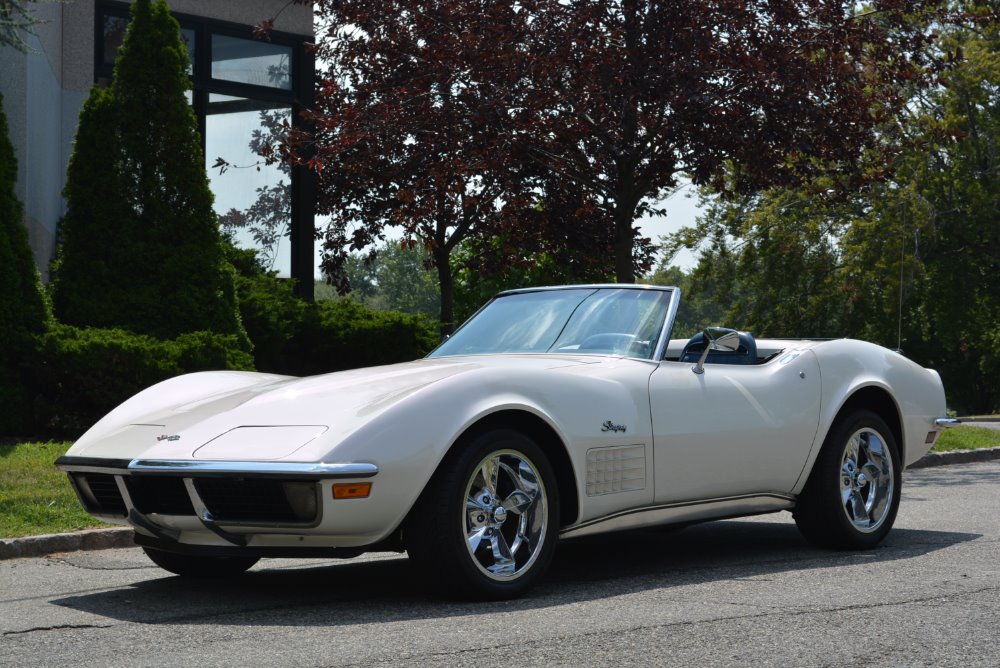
867	480
506	515
852	495
486	525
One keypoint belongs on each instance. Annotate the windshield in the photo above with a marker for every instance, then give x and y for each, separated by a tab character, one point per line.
614	321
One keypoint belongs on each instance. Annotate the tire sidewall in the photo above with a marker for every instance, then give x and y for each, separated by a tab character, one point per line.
446	496
826	481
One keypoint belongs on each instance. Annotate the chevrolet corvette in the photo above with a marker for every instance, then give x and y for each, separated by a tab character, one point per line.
552	413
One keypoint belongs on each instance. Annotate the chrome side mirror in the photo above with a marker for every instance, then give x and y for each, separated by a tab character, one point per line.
717	338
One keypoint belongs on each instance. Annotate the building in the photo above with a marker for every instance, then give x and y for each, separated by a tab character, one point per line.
239	85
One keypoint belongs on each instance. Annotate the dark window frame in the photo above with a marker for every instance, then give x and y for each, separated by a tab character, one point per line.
300	97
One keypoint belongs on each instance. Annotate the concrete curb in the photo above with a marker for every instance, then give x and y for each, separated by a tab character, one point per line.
89	539
956	457
102	539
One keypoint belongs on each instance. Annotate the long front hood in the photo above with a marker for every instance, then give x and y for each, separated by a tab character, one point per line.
261	417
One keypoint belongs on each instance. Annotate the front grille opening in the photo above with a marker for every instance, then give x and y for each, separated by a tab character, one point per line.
165	495
258	500
99	493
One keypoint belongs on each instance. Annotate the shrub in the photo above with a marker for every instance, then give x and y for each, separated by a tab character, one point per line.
85	372
24	311
302	338
140	242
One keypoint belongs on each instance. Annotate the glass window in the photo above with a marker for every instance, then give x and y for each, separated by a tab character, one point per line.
609	321
114	35
247	61
252	199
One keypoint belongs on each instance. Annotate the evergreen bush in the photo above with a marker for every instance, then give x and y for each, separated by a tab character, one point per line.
140	243
302	338
24	311
86	372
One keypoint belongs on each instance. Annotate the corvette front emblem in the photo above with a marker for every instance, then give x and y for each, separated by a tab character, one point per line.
164	437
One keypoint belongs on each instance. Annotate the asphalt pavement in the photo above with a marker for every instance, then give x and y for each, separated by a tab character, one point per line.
746	592
99	539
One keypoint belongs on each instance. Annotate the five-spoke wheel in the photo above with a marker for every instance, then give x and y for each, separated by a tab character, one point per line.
852	495
506	513
485	526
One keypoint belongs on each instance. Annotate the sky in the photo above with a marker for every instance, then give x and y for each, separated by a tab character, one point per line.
682	209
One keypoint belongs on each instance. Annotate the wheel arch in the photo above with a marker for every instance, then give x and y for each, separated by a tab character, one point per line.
878	400
547	439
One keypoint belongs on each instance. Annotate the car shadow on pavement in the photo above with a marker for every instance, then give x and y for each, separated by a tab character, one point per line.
325	593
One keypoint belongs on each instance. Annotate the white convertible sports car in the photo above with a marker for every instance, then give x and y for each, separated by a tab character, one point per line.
551	413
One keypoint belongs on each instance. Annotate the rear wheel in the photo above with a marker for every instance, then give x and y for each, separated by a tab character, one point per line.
192	566
486	525
852	496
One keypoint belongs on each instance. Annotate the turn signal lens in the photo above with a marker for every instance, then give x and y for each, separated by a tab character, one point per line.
352	490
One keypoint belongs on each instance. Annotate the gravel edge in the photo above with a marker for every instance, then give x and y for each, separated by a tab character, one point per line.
102	539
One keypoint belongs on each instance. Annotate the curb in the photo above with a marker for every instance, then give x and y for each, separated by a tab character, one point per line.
89	539
956	457
102	539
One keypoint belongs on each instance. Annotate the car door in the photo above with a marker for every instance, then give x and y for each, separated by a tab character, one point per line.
734	429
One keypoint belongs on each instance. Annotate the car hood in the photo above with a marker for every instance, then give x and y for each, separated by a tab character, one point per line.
264	417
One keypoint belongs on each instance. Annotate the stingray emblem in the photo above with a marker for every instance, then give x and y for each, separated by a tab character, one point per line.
611	426
164	437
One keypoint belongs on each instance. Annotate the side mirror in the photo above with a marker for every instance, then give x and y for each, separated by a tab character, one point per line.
717	338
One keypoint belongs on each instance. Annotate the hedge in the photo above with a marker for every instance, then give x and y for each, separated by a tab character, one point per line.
85	372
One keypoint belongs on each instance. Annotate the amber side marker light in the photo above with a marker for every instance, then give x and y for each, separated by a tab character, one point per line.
352	490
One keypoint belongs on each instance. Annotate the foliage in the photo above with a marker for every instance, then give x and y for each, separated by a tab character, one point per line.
624	96
35	497
395	277
267	219
446	118
140	245
16	18
85	372
907	261
699	307
298	337
967	437
24	309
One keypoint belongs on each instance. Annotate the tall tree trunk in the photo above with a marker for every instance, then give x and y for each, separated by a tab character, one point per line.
624	236
446	281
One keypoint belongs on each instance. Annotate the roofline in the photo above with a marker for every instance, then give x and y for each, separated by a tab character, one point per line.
588	286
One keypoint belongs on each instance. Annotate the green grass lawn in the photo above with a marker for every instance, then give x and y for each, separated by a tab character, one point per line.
35	496
967	437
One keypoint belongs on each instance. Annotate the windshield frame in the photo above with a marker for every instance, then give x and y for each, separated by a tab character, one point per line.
666	327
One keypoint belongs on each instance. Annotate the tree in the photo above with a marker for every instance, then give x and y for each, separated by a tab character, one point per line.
16	18
397	277
625	95
905	261
405	130
436	116
24	311
140	244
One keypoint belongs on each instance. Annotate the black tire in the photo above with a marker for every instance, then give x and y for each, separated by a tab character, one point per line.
850	500
192	566
457	532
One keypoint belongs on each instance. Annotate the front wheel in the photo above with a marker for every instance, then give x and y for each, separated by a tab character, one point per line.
191	566
486	525
852	495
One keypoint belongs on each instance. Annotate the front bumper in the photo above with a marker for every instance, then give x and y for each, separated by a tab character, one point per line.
235	501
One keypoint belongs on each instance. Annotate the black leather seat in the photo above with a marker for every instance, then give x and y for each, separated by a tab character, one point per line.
745	354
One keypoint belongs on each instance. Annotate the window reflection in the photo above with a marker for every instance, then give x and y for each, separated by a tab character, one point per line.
247	61
114	34
252	199
114	28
